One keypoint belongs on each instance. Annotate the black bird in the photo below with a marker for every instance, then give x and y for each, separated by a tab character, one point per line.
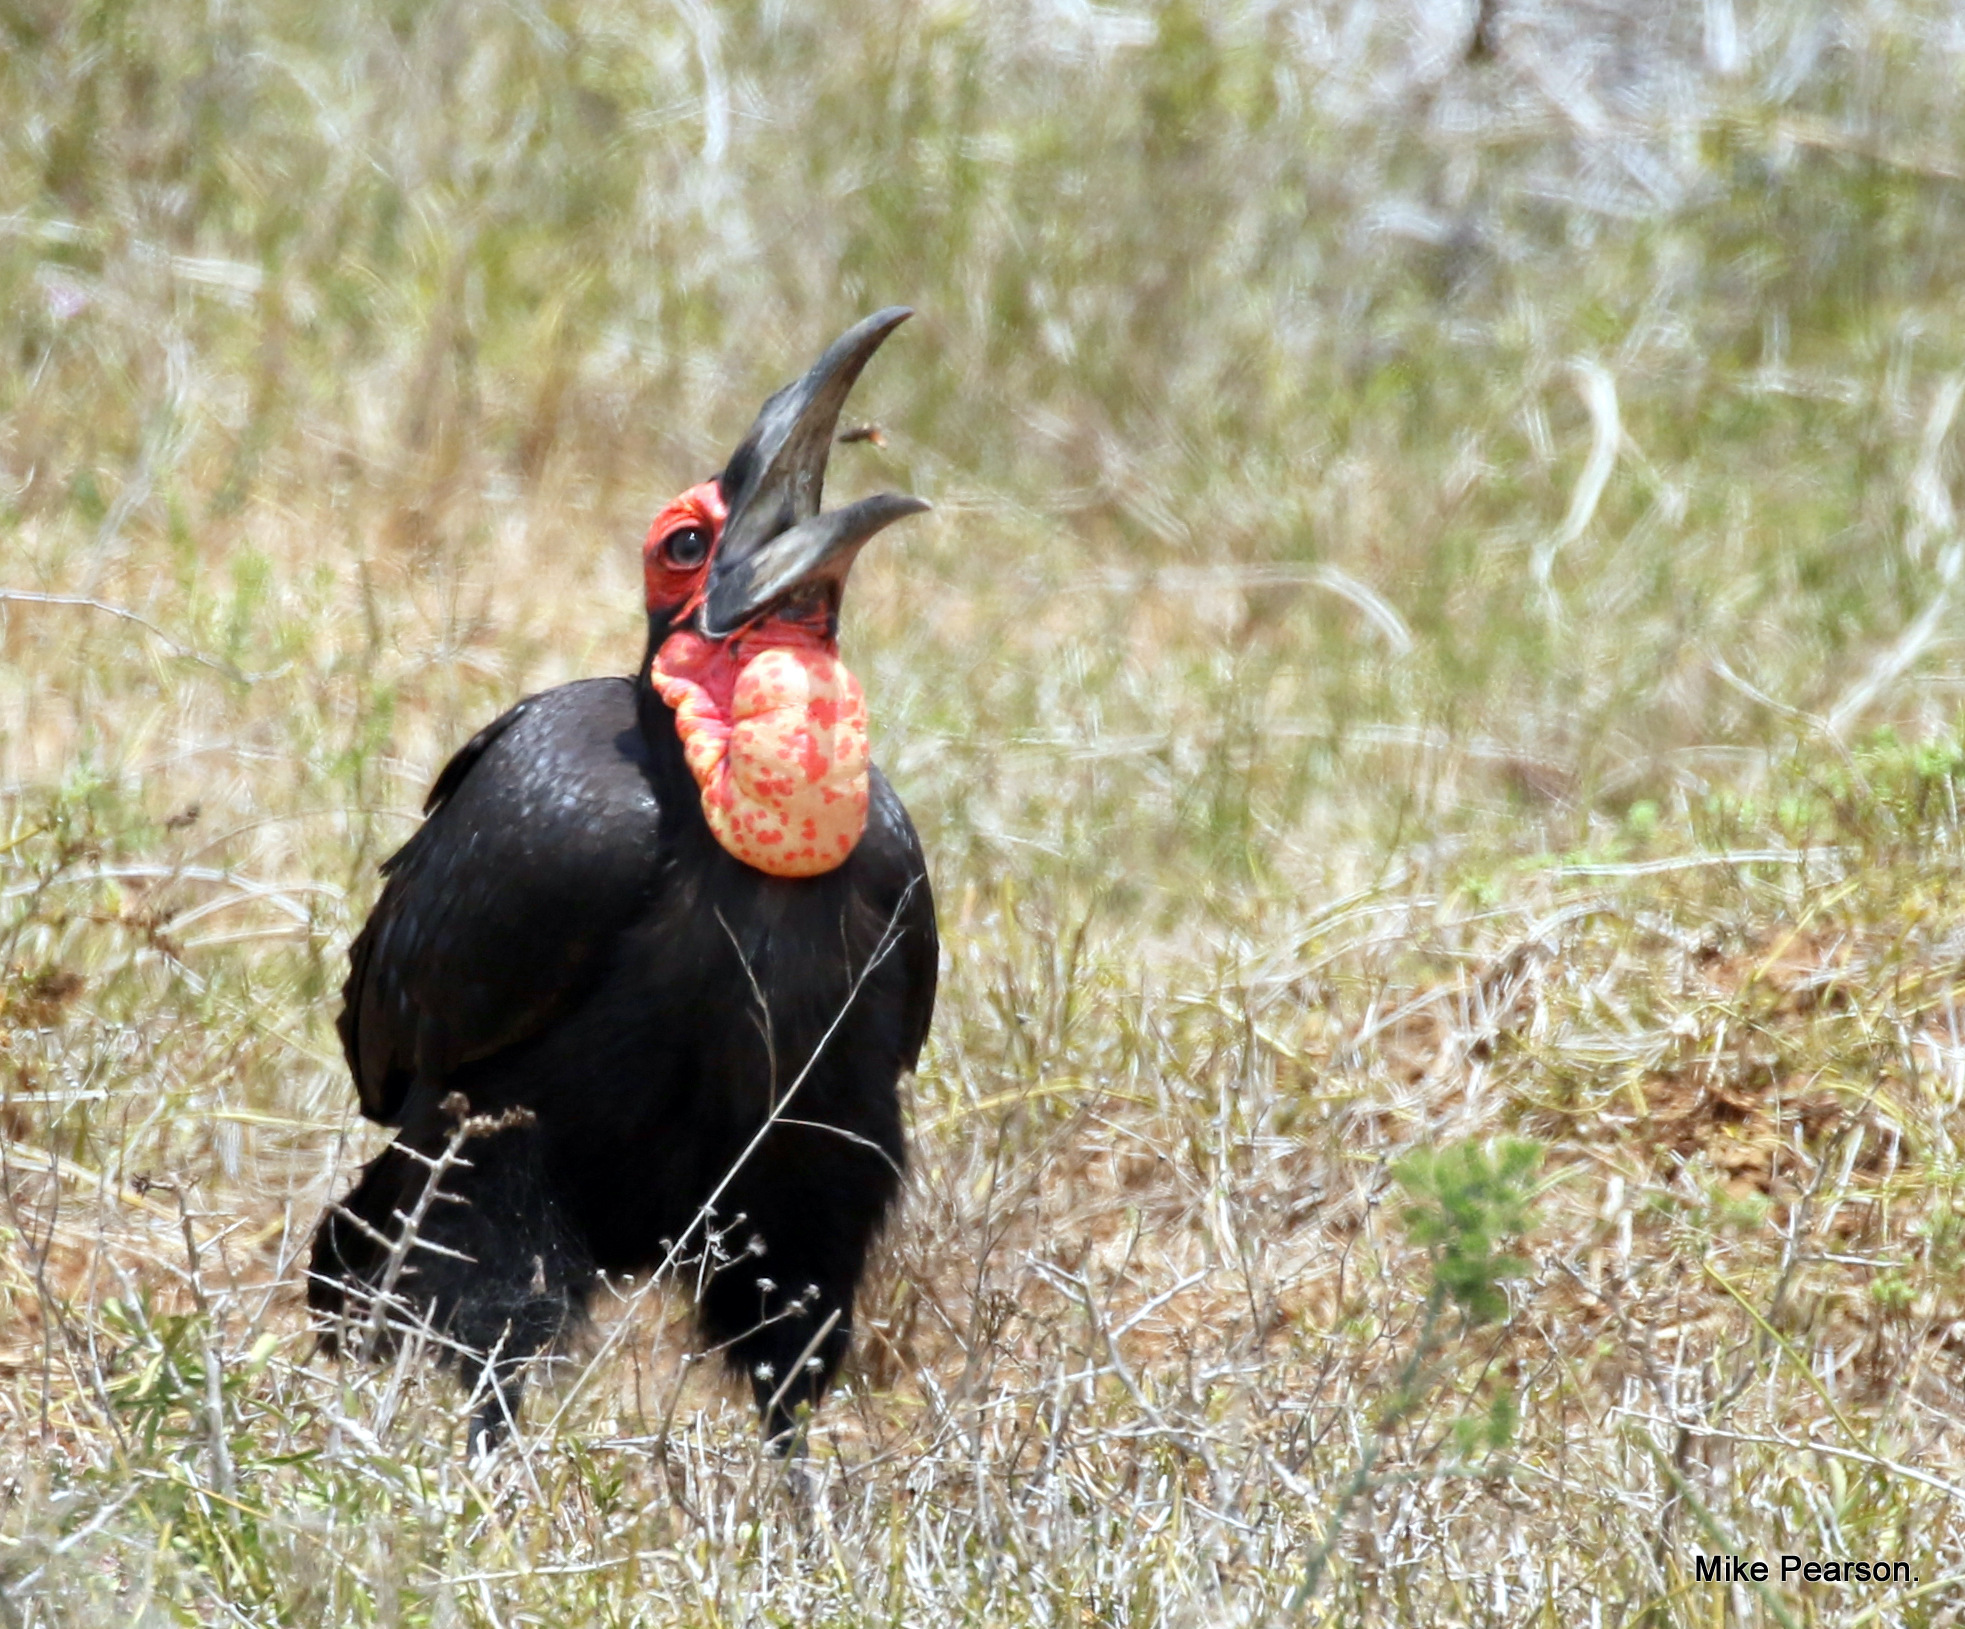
668	942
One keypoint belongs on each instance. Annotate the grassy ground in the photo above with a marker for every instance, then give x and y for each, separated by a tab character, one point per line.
1440	623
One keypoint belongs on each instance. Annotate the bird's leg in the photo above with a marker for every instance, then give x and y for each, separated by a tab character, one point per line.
494	1418
785	1429
482	1255
783	1309
788	1345
787	1410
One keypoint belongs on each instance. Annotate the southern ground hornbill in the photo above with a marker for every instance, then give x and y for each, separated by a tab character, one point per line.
668	942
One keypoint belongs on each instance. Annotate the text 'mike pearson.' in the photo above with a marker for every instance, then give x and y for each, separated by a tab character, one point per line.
682	923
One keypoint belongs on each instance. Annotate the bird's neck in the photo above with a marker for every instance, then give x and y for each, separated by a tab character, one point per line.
674	785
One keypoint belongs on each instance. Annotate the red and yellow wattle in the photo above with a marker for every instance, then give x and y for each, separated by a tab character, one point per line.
774	728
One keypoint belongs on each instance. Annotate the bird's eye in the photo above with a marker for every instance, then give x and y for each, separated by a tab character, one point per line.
687	547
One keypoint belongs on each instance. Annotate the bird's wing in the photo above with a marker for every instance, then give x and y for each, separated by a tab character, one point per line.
541	846
451	776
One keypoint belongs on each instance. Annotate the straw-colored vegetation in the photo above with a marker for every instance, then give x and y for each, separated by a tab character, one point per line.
1441	625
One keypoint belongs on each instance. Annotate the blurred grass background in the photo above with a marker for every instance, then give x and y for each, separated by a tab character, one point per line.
1439	618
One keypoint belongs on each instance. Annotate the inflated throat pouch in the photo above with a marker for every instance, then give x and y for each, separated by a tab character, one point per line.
774	728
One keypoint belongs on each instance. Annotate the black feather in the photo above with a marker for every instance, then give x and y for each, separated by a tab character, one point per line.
564	938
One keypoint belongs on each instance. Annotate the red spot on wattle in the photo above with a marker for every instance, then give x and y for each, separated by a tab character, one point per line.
774	730
816	763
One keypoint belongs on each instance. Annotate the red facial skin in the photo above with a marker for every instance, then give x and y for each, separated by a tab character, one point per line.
675	586
772	724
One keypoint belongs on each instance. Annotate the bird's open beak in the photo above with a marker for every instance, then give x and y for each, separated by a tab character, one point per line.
775	543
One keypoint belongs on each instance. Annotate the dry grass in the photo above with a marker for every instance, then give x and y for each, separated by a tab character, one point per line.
1439	624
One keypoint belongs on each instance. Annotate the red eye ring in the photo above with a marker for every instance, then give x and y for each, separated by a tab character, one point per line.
686	546
675	557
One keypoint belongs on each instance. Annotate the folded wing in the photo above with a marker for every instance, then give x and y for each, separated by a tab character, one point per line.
541	846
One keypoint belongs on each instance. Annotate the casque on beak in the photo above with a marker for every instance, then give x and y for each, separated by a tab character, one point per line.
776	544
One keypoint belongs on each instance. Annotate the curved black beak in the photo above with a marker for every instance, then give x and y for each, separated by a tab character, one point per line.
775	543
